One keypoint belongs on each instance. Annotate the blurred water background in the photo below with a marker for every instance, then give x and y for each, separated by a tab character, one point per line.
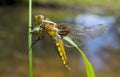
103	52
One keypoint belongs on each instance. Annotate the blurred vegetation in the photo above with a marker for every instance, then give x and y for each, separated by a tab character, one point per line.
112	4
50	13
104	3
82	2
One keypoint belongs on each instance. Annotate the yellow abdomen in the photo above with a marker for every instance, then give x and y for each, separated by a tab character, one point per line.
61	51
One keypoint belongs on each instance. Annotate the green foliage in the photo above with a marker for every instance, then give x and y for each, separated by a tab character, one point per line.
110	4
50	13
88	66
81	2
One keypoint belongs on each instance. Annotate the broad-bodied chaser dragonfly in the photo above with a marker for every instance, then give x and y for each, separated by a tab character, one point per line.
79	34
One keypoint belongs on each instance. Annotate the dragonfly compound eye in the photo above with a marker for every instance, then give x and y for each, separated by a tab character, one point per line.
39	19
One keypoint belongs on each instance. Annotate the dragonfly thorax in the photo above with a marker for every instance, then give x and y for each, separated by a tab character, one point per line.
49	27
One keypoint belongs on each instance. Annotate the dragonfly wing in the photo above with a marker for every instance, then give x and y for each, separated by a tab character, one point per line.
81	34
61	51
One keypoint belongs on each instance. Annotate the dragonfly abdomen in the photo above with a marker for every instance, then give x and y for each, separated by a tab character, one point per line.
61	52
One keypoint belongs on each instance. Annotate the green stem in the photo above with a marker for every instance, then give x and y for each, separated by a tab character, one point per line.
30	40
89	69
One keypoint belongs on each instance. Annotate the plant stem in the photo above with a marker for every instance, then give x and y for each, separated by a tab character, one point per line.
30	40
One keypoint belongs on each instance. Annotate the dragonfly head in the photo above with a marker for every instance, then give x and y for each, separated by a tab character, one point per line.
38	19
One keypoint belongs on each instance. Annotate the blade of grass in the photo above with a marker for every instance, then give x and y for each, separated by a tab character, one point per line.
30	39
88	66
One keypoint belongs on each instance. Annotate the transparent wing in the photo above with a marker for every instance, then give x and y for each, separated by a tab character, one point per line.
81	34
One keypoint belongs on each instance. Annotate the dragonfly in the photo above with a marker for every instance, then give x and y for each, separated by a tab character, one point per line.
79	34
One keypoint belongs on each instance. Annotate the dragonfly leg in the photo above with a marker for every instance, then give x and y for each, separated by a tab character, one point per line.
38	38
35	41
